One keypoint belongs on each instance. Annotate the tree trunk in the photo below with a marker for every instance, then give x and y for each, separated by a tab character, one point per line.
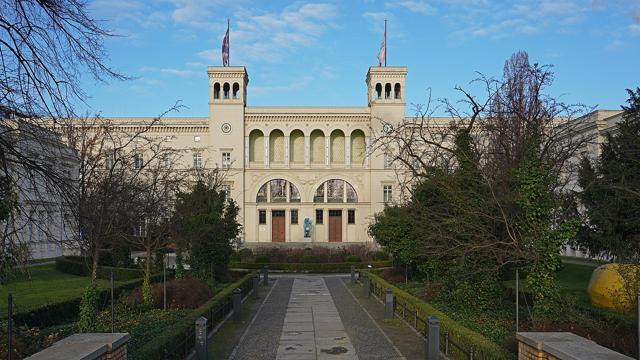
94	264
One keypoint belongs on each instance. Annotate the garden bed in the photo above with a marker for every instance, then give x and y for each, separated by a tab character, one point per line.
311	267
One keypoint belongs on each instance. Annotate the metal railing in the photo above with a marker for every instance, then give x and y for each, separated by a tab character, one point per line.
411	315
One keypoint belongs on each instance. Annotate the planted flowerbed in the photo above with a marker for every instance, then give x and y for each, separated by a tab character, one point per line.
311	259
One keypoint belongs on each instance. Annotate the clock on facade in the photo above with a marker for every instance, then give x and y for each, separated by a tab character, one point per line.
387	128
226	128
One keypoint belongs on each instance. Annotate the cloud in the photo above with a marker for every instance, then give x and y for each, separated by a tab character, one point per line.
297	83
125	13
271	36
635	29
418	7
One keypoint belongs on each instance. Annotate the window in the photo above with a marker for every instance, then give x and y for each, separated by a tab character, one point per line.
337	191
387	161
108	162
387	193
278	190
351	216
226	190
294	216
226	160
319	217
262	217
197	160
138	161
167	161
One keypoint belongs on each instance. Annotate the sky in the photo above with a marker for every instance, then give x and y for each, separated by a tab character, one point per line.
318	53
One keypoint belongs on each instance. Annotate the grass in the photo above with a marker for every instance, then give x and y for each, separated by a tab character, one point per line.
573	279
45	285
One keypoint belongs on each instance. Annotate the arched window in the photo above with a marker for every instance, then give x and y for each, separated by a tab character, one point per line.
357	147
236	90
276	147
378	91
296	147
256	146
335	191
278	190
216	91
317	147
337	147
397	91
225	90
387	91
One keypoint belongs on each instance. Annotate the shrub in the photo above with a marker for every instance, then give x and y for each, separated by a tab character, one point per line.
187	293
483	348
245	254
311	267
171	343
262	259
309	259
66	311
352	258
235	257
379	255
88	309
79	266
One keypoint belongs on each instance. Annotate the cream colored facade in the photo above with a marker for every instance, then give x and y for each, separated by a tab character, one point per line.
279	157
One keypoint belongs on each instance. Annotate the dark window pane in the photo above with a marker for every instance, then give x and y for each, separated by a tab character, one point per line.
294	217
319	217
262	217
351	216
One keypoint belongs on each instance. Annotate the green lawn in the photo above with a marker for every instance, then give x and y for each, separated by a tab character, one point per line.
47	285
573	279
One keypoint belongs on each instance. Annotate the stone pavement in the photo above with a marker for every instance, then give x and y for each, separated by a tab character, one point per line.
319	317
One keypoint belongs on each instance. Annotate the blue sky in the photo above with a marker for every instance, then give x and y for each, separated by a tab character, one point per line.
317	53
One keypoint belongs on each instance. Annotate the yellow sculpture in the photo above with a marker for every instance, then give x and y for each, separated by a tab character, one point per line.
614	286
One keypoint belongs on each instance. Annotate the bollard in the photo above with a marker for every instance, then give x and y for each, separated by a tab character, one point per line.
432	343
388	304
366	286
201	339
256	280
237	301
353	275
265	276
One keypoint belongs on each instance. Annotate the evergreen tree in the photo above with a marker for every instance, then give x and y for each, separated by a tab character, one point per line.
611	190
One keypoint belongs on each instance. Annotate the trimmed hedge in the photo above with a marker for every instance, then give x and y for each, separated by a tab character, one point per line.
67	311
183	329
311	267
483	348
77	266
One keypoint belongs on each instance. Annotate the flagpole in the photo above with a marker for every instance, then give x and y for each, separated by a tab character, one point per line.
229	42
385	42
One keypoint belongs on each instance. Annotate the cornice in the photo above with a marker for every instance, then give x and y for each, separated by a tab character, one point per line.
251	118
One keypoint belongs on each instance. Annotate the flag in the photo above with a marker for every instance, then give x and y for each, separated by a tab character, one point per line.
225	47
382	54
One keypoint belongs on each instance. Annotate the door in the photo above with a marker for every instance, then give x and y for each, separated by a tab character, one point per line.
277	225
335	225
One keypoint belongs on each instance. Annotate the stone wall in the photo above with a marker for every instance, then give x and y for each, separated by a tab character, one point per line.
89	346
561	346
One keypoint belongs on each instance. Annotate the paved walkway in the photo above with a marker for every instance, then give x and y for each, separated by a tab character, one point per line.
319	317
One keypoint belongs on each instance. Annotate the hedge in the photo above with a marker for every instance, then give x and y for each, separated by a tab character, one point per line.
311	267
483	348
77	266
67	311
184	329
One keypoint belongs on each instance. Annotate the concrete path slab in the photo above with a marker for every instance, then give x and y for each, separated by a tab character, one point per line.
312	326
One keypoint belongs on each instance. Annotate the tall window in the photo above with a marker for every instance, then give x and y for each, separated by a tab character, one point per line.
262	217
319	216
226	190
387	193
108	161
226	160
167	161
197	160
351	216
138	161
294	216
387	161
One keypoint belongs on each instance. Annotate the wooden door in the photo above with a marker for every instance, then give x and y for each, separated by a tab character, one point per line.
277	225
335	225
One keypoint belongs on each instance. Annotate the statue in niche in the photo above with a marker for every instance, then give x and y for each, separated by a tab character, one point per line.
307	227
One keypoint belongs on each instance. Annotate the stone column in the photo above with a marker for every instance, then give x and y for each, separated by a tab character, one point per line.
286	151
307	150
